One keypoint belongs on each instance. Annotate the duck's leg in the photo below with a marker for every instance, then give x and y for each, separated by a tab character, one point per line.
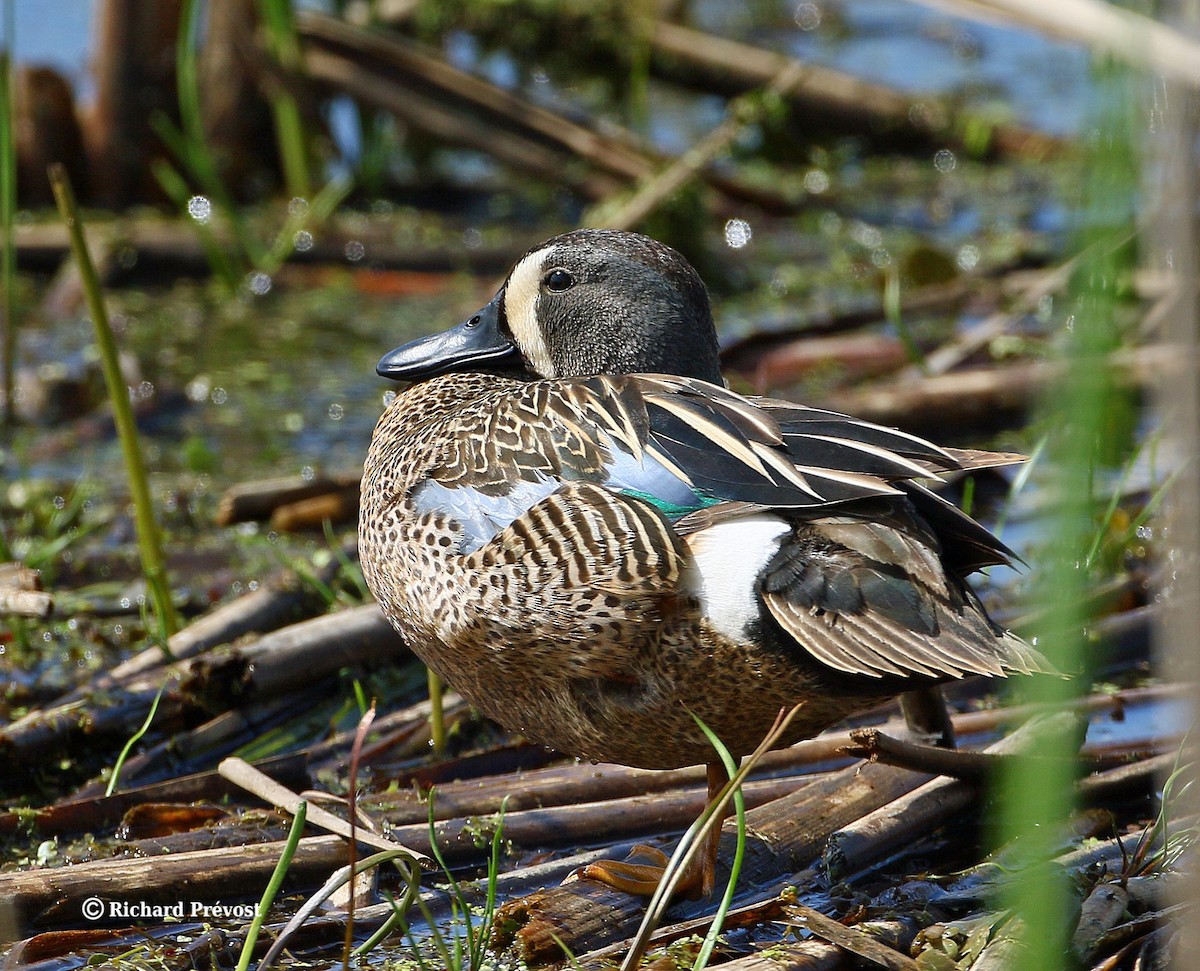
925	713
642	870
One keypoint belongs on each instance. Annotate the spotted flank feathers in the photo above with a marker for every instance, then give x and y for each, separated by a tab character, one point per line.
575	524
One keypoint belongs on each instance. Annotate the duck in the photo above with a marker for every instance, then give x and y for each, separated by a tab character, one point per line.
569	517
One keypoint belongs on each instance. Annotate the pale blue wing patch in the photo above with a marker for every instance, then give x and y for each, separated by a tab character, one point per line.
649	480
481	515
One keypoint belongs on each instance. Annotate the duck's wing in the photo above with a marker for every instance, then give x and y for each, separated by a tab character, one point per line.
872	597
684	446
727	448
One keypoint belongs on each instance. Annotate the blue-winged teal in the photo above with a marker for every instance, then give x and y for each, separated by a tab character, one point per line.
573	523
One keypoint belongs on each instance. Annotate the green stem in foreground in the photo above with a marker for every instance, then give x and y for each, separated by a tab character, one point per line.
437	719
273	885
149	541
1089	418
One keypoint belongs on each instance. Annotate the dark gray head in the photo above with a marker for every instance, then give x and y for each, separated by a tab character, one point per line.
589	302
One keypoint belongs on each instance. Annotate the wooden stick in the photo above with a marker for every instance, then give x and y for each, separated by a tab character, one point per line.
867	839
988	395
979	335
848	938
257	500
244	775
26	603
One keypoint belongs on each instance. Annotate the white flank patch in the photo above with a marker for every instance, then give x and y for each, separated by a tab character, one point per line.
520	307
726	561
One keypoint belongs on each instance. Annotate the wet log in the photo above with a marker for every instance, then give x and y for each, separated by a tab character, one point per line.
281	600
566	784
151	249
134	67
21	592
986	397
258	500
45	130
923	810
826	95
338	507
782	835
53	896
26	603
285	660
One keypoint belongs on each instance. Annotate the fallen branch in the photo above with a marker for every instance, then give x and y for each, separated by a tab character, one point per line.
826	95
877	834
988	396
847	938
285	660
258	500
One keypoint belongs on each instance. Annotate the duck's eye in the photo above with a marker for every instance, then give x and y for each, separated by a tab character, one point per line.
558	280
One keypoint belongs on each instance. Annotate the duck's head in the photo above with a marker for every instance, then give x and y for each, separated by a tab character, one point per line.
589	302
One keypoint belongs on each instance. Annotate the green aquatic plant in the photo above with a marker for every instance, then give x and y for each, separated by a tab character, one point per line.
133	740
216	206
457	949
149	538
1090	420
272	888
280	29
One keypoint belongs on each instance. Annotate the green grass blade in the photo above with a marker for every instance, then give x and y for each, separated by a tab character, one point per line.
331	196
133	740
739	807
273	885
284	45
149	540
1089	421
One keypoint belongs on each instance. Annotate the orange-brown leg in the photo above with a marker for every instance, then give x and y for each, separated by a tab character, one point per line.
640	872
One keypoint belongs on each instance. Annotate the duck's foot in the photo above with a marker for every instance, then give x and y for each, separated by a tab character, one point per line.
642	870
